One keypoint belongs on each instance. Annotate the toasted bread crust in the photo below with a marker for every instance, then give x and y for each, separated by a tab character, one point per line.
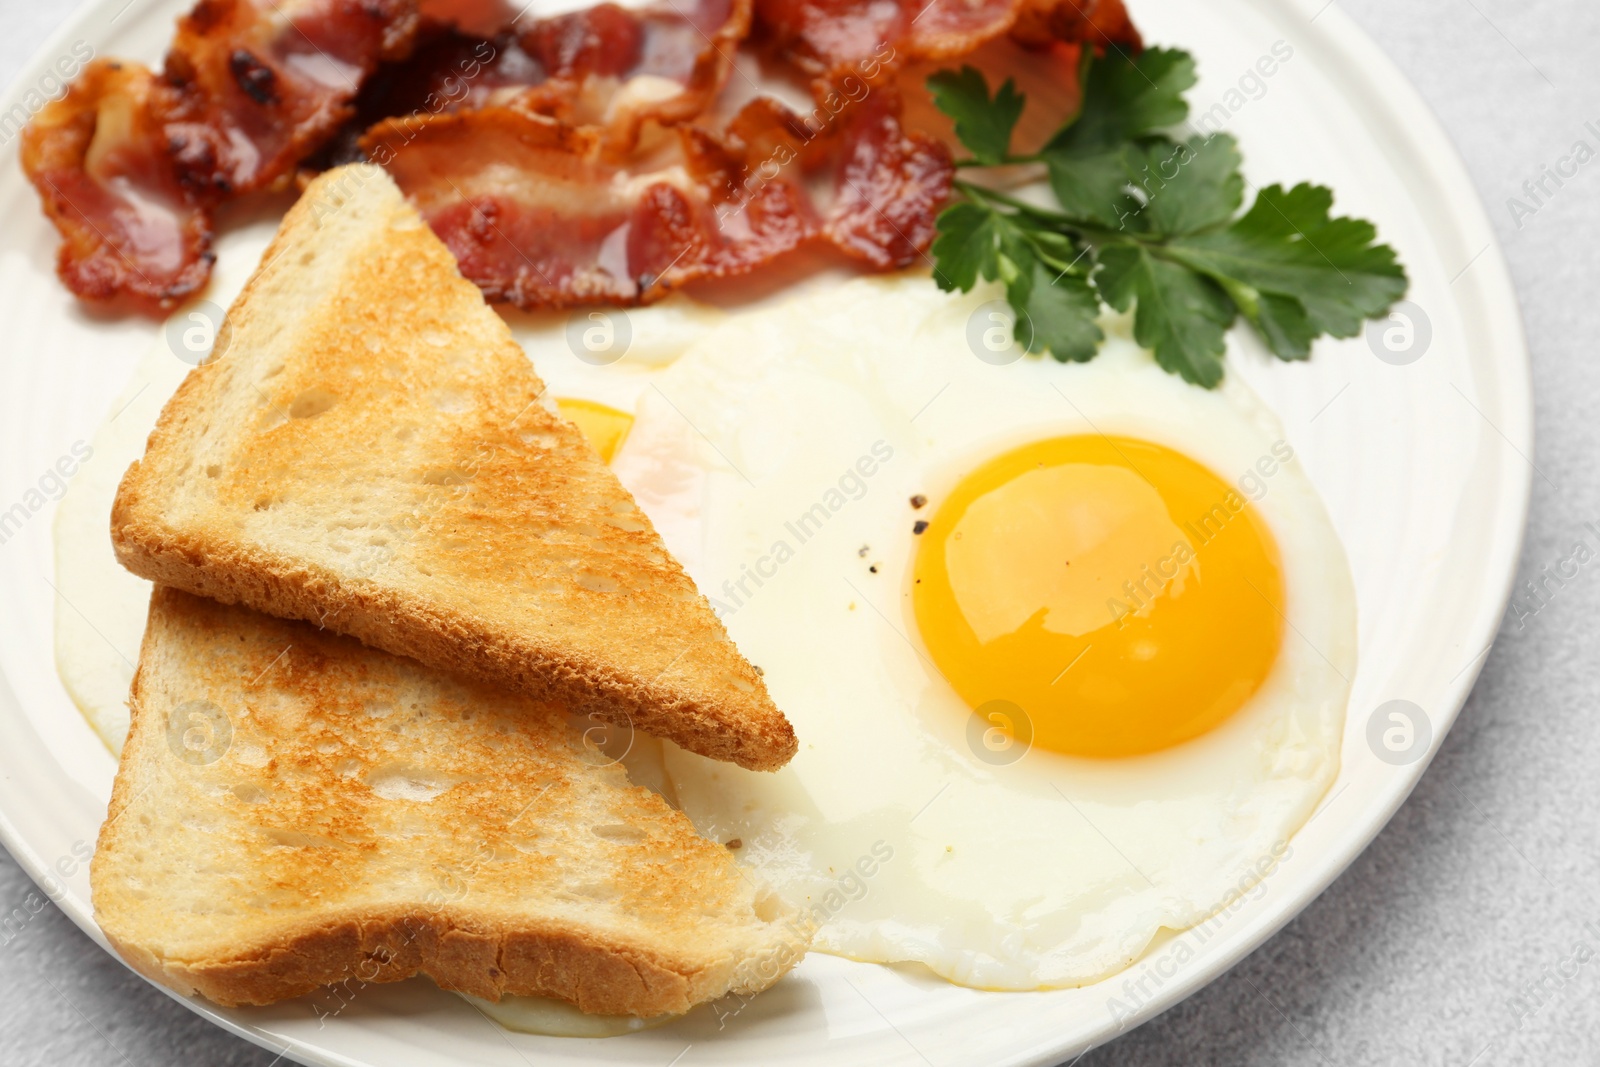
514	555
396	623
460	952
258	872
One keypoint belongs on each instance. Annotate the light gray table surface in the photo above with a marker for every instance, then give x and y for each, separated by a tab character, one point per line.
1469	932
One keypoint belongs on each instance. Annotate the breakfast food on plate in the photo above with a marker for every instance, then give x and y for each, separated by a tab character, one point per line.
371	452
294	810
132	164
1069	645
1148	223
150	247
831	41
1070	640
571	228
601	157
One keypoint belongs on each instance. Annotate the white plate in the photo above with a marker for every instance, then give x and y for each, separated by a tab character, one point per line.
1423	465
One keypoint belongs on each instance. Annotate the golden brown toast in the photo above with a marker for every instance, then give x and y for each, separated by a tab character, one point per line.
371	451
294	809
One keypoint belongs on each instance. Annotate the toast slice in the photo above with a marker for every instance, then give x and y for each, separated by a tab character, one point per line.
294	809
371	451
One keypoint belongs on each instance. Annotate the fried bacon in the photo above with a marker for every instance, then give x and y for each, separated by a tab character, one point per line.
615	69
836	39
130	165
606	66
536	216
523	141
258	86
1099	23
885	184
476	18
889	185
129	227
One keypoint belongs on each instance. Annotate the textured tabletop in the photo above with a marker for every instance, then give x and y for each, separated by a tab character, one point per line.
1469	933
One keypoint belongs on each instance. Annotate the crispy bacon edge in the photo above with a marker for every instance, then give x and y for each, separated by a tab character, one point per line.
835	39
129	227
253	90
536	216
129	165
588	68
716	214
624	117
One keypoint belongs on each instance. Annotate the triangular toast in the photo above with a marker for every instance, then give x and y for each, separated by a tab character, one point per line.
369	449
294	809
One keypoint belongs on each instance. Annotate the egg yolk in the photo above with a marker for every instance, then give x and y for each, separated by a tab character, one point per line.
1124	597
604	427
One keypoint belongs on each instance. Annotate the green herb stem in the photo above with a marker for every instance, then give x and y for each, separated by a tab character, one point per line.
1086	230
1009	161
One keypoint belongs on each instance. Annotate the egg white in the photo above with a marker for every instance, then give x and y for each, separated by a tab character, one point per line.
1048	872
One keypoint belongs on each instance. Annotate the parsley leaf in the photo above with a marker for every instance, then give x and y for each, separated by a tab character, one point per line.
1283	324
1149	224
1188	186
1059	312
1042	270
1180	315
1287	245
983	125
1125	97
1097	155
1054	248
1093	187
964	246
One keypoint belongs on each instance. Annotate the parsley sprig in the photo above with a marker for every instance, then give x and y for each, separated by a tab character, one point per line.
1148	221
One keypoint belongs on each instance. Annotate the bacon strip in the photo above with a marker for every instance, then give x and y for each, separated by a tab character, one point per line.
1100	24
130	165
605	66
616	69
889	186
887	183
535	217
129	226
836	39
258	87
476	18
516	138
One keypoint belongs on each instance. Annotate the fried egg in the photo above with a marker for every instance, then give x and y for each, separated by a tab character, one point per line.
1067	647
